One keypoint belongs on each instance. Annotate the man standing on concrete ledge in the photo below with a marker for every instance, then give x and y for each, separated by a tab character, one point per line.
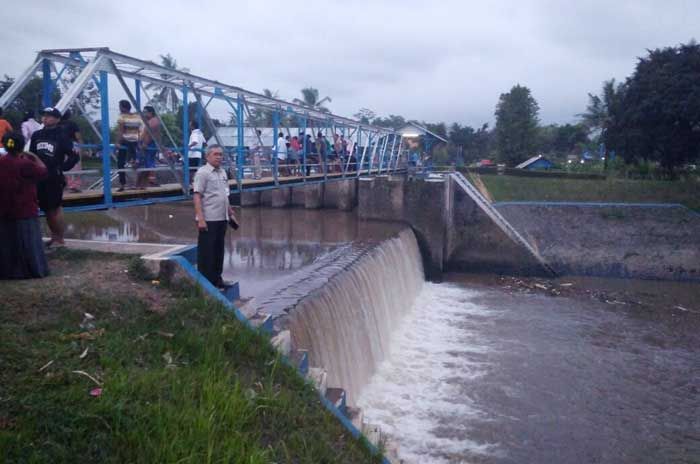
212	213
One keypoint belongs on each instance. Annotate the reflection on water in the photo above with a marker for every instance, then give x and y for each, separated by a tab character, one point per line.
269	244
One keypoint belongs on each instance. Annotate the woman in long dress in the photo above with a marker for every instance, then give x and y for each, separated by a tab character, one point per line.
22	252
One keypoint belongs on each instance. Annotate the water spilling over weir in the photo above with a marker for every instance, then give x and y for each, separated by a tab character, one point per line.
345	324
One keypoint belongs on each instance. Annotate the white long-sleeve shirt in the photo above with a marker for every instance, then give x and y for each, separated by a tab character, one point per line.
281	148
28	128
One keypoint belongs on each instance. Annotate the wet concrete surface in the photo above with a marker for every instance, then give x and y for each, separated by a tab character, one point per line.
612	241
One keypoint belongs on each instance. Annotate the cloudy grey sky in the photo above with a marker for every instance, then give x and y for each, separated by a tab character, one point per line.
428	60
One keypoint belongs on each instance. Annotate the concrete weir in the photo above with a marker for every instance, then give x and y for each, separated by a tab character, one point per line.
340	312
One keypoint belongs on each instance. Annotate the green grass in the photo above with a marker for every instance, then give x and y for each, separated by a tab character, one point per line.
512	188
186	385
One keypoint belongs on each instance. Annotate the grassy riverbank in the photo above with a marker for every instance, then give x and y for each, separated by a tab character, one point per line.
516	188
181	380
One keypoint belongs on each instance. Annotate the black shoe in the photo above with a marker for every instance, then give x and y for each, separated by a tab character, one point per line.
223	284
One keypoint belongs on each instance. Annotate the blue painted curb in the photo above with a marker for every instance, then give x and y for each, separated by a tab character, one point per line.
350	427
185	259
209	288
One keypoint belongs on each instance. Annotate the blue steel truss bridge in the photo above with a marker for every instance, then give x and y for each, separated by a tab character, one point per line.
251	163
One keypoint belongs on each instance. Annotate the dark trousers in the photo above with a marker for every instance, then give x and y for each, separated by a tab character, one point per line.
194	165
210	251
127	152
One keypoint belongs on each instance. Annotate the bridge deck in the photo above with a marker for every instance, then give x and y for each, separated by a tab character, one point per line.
96	197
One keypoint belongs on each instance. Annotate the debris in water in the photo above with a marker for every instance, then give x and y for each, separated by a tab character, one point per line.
566	284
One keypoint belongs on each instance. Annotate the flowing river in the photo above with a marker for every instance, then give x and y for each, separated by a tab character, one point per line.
464	371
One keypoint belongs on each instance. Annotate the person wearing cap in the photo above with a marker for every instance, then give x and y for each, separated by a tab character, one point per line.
55	149
22	253
5	127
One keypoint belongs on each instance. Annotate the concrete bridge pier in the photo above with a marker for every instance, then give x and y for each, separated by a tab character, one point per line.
281	197
313	195
250	198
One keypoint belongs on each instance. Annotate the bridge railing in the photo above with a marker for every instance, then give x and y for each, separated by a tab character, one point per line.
127	180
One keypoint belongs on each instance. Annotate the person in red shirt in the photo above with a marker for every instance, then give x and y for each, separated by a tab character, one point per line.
295	150
22	252
5	127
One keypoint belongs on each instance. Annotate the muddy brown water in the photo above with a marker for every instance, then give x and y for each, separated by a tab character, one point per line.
481	371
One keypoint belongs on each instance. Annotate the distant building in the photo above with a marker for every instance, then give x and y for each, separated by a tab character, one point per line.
536	162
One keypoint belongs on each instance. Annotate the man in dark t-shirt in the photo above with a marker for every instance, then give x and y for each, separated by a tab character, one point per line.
55	149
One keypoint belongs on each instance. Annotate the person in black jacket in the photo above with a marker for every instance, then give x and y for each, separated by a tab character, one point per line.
55	149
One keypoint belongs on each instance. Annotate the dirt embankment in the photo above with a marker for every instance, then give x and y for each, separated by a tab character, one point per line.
612	241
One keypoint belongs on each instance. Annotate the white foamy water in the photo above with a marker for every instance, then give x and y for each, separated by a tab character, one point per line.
417	395
345	324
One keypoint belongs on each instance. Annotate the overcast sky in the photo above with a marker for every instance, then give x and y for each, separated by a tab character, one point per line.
427	60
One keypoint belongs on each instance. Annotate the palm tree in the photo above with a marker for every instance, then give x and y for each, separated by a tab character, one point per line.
599	112
597	115
310	99
166	99
258	117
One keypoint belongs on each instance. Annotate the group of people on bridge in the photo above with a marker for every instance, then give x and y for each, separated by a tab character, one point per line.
295	152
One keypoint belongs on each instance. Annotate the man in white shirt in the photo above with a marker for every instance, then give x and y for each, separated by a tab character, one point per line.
212	213
281	155
196	147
